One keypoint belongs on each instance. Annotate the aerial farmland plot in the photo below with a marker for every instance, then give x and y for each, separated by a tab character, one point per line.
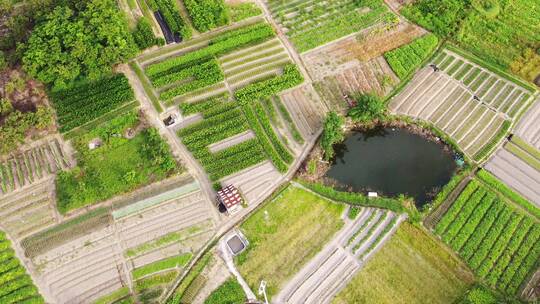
309	24
467	101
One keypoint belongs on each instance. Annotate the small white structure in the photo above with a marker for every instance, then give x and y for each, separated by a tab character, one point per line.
372	194
95	143
230	198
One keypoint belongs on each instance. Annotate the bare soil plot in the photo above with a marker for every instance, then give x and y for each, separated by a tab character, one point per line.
516	173
34	164
529	126
439	98
331	269
24	213
256	181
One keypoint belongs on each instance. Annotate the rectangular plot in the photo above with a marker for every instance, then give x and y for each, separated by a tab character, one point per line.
463	71
479	81
472	75
499	85
470	122
486	86
448	101
478	128
486	137
503	95
440	58
447	61
455	108
511	100
461	116
455	66
518	105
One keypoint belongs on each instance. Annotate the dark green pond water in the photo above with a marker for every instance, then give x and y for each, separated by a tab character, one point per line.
392	161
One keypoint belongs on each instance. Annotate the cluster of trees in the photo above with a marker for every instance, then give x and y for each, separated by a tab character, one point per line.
332	134
144	36
442	17
69	44
16	124
368	108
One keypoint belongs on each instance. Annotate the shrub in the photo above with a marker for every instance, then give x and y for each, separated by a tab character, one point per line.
332	134
207	14
405	59
368	107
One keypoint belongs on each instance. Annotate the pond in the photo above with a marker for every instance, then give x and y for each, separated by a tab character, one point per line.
392	161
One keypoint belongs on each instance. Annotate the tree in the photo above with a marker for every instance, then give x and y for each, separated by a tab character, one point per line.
69	45
369	107
332	134
3	63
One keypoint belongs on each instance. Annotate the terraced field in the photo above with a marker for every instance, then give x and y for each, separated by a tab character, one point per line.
33	165
498	241
529	128
24	213
331	269
310	23
214	63
474	106
146	240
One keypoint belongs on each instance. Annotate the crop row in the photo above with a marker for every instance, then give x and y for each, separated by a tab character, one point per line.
207	14
370	232
218	46
84	102
263	139
494	239
291	77
265	123
290	123
168	263
207	124
405	59
200	76
453	211
379	237
463	216
15	284
362	227
197	71
154	280
236	162
171	14
486	149
188	108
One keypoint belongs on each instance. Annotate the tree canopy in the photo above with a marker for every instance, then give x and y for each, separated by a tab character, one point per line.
332	134
68	44
369	107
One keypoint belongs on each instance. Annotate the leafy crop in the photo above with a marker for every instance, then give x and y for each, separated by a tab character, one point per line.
207	14
405	59
171	14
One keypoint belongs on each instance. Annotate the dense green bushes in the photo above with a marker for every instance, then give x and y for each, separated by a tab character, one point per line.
355	198
368	108
222	44
171	14
269	131
332	134
189	108
291	77
439	16
405	59
16	286
89	100
144	36
207	14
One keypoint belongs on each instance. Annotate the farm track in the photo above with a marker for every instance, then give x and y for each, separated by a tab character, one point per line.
332	268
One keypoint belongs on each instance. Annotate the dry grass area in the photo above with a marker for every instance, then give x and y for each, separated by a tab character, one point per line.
284	235
412	267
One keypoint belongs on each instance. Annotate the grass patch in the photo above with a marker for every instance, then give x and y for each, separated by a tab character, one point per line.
284	235
228	292
438	276
113	297
146	86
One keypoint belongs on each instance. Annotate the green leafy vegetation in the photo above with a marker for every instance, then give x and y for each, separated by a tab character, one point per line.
368	108
67	45
498	242
442	17
439	277
405	59
171	13
16	286
207	14
88	100
482	153
332	134
119	165
168	263
243	10
229	292
154	280
284	235
189	278
144	36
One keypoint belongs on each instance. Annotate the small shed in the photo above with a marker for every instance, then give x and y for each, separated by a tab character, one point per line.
231	198
95	143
